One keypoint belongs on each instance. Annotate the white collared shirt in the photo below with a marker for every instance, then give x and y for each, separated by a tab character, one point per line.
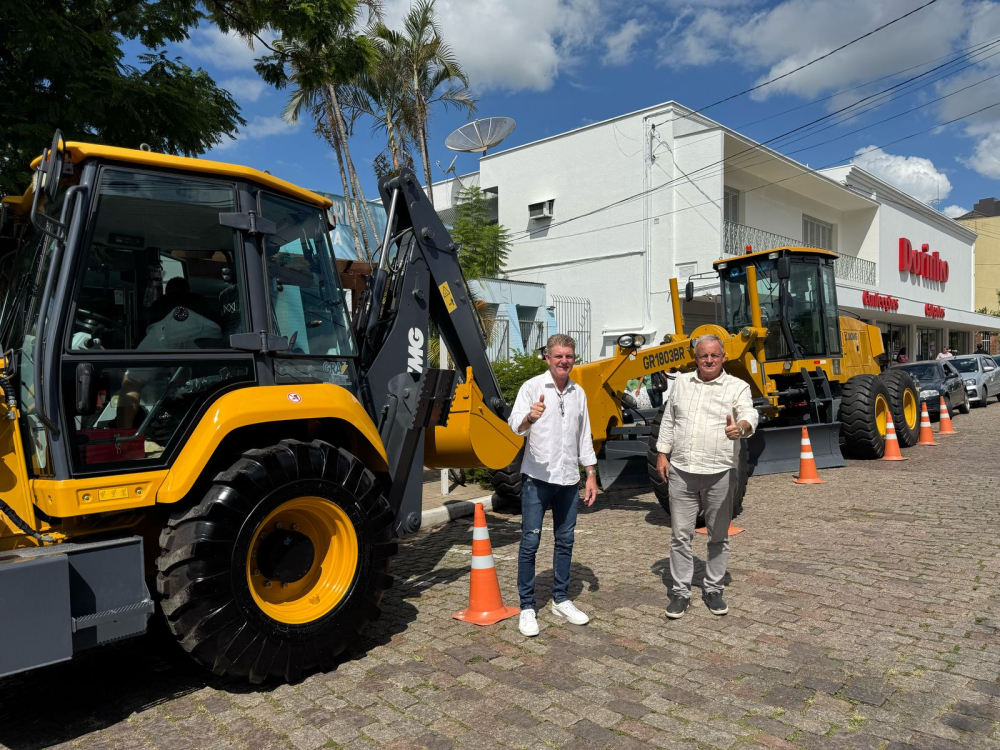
693	431
560	441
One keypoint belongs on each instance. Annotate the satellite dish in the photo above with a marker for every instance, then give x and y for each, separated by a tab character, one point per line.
481	134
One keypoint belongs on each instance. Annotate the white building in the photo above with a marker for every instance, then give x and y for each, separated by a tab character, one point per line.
611	211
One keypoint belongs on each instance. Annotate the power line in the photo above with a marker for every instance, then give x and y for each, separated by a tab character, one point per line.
774	182
756	147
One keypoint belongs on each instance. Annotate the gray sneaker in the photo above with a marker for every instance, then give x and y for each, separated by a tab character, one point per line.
677	607
716	605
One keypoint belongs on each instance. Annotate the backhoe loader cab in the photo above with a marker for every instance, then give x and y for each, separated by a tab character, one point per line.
188	401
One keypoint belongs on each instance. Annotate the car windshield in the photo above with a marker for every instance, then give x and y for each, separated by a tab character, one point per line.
924	371
966	364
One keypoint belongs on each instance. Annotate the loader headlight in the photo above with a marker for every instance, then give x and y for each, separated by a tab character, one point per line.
929	393
631	340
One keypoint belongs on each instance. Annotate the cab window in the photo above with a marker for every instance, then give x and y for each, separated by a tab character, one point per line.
160	273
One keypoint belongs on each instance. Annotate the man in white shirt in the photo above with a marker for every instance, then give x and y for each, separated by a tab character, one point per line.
551	412
707	412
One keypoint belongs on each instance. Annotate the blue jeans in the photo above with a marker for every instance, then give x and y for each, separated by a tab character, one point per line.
536	498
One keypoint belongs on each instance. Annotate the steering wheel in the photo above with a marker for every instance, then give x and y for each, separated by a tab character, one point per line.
93	322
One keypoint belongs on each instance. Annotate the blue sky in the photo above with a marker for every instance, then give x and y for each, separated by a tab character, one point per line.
554	65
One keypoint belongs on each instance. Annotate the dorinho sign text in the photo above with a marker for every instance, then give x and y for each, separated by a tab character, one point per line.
923	263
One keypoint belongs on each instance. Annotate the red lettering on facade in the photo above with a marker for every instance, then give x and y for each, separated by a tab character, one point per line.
881	301
933	311
923	263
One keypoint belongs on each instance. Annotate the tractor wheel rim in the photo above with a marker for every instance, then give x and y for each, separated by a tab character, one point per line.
910	412
328	573
881	410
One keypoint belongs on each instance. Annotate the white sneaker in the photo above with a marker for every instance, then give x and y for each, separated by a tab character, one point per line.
528	624
568	610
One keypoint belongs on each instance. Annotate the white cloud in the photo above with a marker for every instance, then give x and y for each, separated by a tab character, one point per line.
986	158
914	175
244	89
517	44
954	211
259	127
226	51
620	45
781	38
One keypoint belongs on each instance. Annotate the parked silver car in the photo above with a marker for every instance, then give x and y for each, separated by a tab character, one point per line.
981	375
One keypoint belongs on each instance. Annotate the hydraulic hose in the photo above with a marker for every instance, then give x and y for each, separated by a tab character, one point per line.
19	522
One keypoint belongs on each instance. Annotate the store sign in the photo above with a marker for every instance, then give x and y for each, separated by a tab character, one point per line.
881	301
923	263
933	311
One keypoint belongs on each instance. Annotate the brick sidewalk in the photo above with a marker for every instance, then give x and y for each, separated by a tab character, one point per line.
865	614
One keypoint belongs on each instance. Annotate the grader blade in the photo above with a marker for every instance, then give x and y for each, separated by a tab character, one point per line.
776	450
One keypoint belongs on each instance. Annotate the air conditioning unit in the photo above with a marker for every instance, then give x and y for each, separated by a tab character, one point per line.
543	210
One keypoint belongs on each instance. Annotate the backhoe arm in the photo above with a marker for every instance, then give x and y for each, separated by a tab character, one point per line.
423	418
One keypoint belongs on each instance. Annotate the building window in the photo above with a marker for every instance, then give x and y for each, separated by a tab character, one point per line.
816	233
731	205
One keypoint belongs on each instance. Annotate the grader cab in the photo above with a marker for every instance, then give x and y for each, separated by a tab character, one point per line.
188	402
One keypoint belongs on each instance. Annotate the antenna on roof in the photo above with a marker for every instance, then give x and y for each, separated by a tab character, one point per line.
480	135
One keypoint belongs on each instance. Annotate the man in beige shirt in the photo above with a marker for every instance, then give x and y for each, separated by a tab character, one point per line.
706	414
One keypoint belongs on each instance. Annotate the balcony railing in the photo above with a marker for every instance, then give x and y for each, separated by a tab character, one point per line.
736	237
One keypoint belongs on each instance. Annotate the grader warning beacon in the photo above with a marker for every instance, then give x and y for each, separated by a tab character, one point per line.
783	334
188	401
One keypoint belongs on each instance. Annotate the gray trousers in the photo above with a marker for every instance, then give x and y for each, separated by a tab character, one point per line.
690	493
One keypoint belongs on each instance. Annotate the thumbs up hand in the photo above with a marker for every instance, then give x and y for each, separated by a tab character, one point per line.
537	409
732	429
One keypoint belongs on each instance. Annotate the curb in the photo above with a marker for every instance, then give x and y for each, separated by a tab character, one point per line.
452	511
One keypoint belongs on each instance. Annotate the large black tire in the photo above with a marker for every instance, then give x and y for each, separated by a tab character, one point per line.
662	491
211	599
863	398
904	405
507	485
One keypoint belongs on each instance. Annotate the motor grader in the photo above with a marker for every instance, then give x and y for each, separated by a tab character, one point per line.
783	334
188	401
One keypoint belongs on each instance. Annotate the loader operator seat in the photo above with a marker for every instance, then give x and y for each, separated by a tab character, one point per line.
181	327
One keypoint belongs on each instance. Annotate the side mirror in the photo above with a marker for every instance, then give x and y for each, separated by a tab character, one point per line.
689	291
784	268
51	167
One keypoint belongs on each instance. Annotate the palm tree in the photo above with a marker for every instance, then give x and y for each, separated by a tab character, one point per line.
319	76
428	64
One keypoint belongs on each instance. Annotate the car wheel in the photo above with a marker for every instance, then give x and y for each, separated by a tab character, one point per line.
966	407
985	400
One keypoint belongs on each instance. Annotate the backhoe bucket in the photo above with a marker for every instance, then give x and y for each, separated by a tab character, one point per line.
775	450
622	464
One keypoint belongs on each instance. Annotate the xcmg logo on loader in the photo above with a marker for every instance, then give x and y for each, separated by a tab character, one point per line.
415	362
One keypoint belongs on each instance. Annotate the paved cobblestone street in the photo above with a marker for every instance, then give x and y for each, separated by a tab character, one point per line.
865	613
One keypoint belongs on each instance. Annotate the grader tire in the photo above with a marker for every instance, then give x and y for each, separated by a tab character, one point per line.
863	409
662	491
282	564
507	485
904	405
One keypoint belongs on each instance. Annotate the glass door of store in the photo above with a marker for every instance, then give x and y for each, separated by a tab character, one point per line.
928	343
895	343
958	342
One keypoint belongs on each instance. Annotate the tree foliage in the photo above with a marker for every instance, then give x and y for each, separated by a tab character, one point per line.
483	244
62	66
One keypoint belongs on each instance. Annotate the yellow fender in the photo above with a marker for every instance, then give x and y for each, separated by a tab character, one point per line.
230	412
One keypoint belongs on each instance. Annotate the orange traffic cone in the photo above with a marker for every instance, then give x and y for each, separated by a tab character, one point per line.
944	425
733	530
926	433
807	464
485	602
891	443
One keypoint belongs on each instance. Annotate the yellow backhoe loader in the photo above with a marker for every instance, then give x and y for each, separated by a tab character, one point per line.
783	334
188	401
